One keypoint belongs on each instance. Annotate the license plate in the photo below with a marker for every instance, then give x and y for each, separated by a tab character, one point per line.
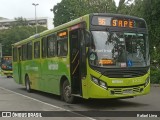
129	91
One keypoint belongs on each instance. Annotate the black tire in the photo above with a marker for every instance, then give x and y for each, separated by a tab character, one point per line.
27	84
66	92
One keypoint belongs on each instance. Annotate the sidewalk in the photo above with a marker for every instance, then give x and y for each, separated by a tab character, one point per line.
10	101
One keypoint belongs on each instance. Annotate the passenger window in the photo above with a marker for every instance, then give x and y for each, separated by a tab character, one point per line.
44	47
24	52
29	51
62	47
37	49
62	43
51	43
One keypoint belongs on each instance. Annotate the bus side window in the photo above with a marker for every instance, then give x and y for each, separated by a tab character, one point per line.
37	49
62	43
51	45
24	52
62	47
29	51
44	47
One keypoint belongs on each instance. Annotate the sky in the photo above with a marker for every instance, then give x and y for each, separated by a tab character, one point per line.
23	8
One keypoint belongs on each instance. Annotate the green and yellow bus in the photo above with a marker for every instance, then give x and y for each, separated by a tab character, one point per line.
6	66
98	55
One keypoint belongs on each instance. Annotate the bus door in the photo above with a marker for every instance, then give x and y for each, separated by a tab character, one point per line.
77	60
19	64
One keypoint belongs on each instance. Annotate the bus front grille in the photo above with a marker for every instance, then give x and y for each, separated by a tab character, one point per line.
121	91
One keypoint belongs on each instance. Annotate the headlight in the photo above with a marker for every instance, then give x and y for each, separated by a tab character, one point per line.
147	81
102	84
95	80
99	82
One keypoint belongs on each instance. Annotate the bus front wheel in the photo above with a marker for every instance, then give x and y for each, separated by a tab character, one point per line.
28	87
66	93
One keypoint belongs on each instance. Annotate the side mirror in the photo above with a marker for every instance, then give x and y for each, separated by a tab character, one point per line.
88	38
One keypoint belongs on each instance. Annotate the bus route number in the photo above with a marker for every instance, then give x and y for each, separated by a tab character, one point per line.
101	21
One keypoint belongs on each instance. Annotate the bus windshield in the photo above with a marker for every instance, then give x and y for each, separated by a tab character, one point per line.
6	63
117	49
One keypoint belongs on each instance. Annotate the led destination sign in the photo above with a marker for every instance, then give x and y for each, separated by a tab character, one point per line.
118	22
122	23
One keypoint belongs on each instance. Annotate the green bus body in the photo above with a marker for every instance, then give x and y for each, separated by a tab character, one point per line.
107	78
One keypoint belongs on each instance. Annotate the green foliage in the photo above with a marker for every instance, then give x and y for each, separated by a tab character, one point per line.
68	10
131	7
155	76
17	32
151	15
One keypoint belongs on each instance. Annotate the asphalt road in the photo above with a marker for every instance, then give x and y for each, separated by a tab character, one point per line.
150	102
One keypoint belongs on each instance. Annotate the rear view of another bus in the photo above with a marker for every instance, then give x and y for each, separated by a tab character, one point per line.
6	66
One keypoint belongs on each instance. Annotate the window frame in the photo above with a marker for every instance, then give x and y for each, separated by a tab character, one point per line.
44	47
54	39
24	52
28	49
62	39
36	57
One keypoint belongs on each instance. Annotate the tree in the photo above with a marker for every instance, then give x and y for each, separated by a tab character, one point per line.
68	10
137	8
15	33
151	15
130	7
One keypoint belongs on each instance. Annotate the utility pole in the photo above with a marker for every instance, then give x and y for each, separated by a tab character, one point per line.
35	15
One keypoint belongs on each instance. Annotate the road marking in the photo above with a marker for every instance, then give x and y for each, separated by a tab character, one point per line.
46	103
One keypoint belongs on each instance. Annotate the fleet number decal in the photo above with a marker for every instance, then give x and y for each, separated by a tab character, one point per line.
53	66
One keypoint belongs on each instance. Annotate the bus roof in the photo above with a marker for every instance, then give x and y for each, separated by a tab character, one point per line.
116	15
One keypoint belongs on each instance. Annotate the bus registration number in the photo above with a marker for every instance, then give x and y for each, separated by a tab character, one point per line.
128	91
